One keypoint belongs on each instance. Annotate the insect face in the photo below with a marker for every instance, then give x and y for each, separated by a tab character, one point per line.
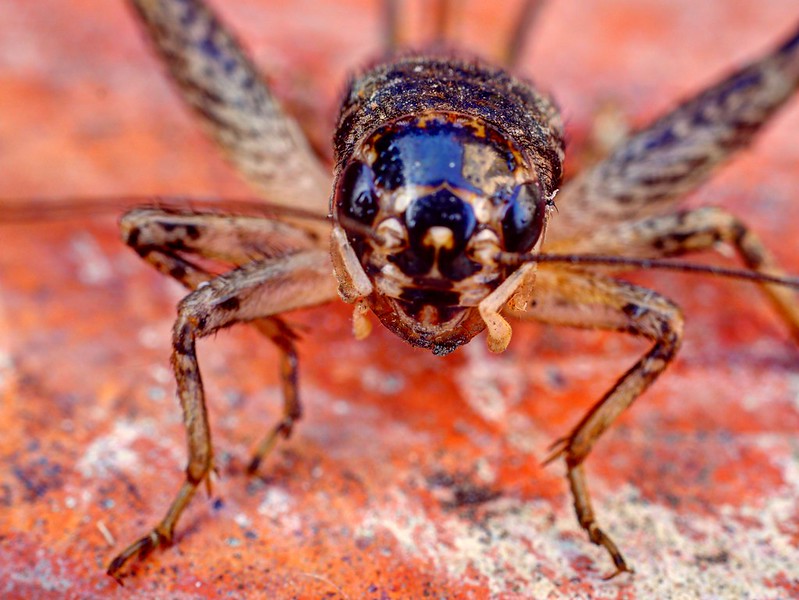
443	193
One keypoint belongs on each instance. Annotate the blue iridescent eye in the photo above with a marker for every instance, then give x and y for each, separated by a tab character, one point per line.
524	218
355	193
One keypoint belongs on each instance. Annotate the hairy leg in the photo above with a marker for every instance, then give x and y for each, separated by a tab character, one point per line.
648	172
165	238
691	231
226	91
234	240
592	301
254	291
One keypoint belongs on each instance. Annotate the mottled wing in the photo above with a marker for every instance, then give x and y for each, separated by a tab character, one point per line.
223	87
653	168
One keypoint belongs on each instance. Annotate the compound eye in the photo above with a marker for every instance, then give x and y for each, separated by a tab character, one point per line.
524	218
355	193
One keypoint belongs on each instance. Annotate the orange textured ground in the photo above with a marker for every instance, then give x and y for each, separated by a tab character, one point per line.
412	476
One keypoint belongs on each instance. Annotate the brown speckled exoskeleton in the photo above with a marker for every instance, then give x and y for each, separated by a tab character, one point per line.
446	174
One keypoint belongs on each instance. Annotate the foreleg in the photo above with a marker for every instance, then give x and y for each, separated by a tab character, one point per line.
165	238
255	291
595	302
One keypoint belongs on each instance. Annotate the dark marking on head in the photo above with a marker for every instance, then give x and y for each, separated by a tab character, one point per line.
422	296
440	209
439	306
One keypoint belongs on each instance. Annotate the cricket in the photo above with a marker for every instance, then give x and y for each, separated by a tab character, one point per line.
446	218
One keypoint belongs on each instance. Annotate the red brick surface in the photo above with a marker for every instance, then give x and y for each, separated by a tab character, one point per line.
411	476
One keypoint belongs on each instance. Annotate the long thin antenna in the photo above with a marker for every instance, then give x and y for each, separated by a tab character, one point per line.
359	228
511	259
61	209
